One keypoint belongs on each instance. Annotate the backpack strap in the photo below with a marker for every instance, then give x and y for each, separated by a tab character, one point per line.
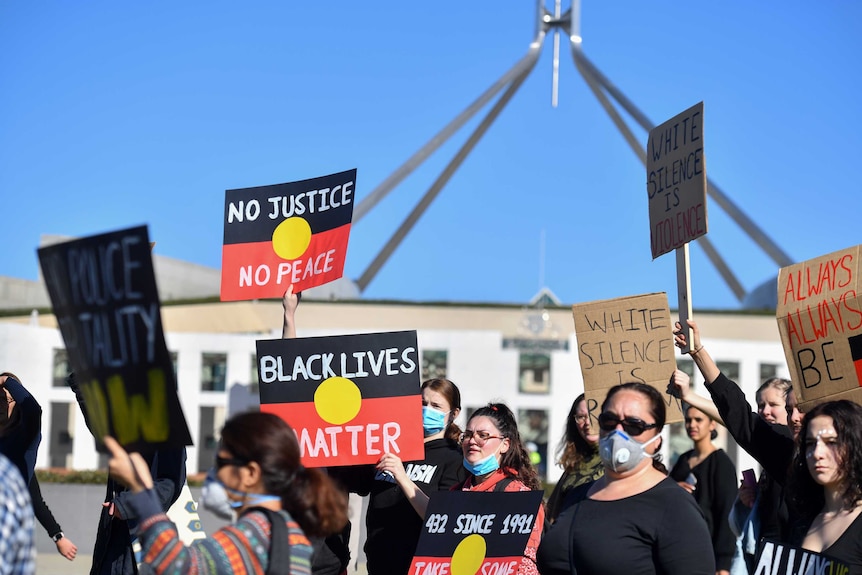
502	484
279	543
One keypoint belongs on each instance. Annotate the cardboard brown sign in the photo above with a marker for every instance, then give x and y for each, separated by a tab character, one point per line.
819	316
676	181
623	340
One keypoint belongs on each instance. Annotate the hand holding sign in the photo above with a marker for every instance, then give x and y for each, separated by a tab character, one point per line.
130	469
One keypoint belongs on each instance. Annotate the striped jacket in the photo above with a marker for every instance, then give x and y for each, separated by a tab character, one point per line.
241	548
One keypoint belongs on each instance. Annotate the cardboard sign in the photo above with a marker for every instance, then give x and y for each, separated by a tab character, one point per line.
624	340
104	296
350	398
468	533
773	557
676	181
287	234
820	320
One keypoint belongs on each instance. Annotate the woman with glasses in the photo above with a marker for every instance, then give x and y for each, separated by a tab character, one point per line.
577	454
279	503
497	460
634	519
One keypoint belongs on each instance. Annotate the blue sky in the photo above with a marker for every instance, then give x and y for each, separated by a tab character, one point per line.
116	114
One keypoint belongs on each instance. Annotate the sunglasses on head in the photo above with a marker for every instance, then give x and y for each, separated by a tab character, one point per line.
631	425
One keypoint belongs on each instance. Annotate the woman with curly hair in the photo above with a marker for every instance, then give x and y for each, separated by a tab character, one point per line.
577	454
826	482
497	460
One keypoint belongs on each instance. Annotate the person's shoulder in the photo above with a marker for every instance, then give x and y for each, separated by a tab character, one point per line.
721	457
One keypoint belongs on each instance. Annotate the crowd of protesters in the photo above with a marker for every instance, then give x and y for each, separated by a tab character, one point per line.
616	507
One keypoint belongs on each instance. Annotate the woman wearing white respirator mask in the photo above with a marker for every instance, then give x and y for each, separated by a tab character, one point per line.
634	519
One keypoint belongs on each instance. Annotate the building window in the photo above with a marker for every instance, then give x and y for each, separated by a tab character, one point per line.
62	433
533	427
61	368
174	360
534	373
213	371
254	381
434	363
730	369
768	371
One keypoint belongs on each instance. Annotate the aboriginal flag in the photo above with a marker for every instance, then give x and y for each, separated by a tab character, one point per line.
470	532
856	354
349	398
286	234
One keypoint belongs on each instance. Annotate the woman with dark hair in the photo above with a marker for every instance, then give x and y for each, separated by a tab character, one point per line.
710	476
20	425
20	436
399	491
577	454
279	503
497	460
634	519
826	482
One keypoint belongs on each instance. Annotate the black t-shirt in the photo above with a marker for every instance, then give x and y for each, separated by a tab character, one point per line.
714	492
848	547
658	531
393	526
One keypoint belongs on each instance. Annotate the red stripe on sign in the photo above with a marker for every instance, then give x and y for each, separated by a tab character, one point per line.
254	271
442	566
388	424
858	365
430	566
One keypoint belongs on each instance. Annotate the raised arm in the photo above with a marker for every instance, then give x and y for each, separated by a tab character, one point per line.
770	445
290	302
680	387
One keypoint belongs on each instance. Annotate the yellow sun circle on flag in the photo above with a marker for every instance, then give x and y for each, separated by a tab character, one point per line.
337	400
469	555
291	238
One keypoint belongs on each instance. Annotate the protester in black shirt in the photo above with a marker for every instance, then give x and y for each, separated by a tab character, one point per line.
634	520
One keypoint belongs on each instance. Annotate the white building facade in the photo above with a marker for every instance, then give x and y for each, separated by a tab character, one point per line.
525	357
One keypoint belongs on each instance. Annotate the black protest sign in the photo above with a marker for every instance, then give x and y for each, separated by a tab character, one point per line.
103	291
349	398
774	557
475	532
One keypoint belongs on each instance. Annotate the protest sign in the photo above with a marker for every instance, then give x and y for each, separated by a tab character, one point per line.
286	234
470	533
624	340
773	557
676	181
349	398
819	316
104	296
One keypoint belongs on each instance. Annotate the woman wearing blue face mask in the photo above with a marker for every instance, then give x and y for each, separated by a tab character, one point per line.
399	491
497	460
634	519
